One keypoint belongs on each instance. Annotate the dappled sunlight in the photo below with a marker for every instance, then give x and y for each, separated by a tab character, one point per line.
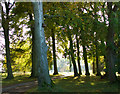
85	84
65	78
76	77
82	81
19	80
92	83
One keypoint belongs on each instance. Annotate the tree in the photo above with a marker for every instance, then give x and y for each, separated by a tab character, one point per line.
84	51
110	43
95	28
72	55
78	55
5	25
54	53
34	72
41	47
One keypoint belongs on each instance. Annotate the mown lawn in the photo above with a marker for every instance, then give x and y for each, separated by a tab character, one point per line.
80	84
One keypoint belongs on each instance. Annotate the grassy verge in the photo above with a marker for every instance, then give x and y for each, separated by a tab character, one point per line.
80	84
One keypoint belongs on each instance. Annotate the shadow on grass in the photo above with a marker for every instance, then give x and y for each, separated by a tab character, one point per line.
80	84
16	80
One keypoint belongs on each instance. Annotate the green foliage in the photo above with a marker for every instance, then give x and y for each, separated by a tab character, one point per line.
83	18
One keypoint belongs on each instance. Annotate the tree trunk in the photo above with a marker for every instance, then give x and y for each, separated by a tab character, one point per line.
110	45
85	60
97	59
54	54
118	56
9	69
41	47
93	67
5	25
70	62
72	55
34	64
78	55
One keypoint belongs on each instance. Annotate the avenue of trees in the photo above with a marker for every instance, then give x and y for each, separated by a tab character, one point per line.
34	32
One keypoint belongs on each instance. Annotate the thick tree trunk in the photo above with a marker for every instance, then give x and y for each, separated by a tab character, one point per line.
78	55
110	43
9	69
5	25
34	64
41	47
72	56
85	60
54	54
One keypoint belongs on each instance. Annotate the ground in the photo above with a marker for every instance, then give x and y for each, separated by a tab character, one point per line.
62	83
81	84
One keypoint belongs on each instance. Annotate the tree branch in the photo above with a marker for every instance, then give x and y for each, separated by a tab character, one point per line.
12	5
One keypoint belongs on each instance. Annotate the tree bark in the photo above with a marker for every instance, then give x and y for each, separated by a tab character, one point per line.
5	25
34	64
110	45
93	67
97	59
78	55
118	46
44	79
118	56
54	54
72	55
70	62
85	60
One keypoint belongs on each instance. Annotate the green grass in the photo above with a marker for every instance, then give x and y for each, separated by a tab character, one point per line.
18	78
80	84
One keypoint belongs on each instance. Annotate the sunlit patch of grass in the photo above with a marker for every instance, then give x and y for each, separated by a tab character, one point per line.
81	84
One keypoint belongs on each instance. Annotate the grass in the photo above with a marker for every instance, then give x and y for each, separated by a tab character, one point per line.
80	84
67	84
18	78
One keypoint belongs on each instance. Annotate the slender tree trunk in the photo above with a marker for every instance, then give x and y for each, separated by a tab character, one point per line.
5	25
85	60
106	70
72	55
54	54
110	43
118	54
97	60
34	64
78	55
70	62
44	79
93	67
